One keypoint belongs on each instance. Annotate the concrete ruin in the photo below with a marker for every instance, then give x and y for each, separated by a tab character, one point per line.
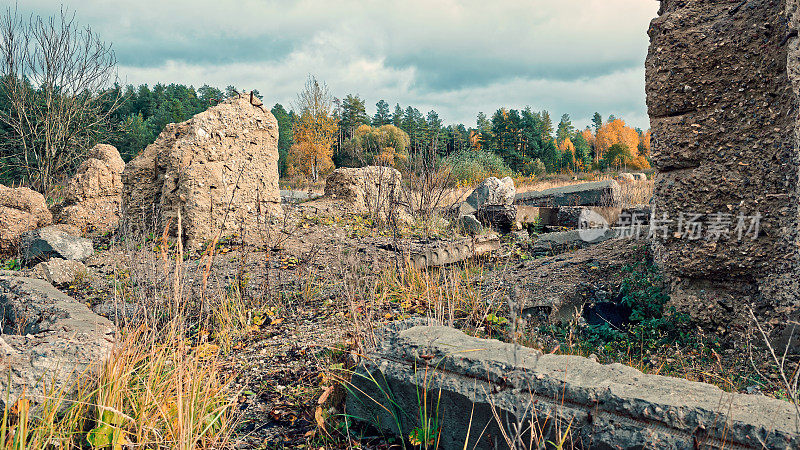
48	340
94	195
480	391
594	193
219	169
447	253
722	95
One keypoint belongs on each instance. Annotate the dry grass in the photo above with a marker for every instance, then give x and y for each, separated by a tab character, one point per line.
162	386
154	391
637	193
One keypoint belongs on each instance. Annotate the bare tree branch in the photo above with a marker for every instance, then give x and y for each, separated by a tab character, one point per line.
60	82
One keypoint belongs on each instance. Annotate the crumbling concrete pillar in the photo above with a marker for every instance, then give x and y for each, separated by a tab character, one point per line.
722	94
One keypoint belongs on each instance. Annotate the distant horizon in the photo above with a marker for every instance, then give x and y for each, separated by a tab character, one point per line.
458	58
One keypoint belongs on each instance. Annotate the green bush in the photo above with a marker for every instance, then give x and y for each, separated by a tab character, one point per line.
472	166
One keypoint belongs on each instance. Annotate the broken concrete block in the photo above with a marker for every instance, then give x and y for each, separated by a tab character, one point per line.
478	390
596	193
500	218
53	242
469	225
724	121
563	241
50	340
453	252
492	191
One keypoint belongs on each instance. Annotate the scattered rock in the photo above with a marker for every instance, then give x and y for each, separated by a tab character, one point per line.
48	339
625	177
219	169
638	176
469	225
373	189
21	210
492	191
288	196
59	272
52	242
596	193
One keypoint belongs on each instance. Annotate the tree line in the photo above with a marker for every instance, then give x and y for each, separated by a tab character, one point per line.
525	141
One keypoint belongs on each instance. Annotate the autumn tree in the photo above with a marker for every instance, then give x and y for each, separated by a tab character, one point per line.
314	130
386	145
567	149
614	132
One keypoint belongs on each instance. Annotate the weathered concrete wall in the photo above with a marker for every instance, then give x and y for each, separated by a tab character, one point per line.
596	406
595	193
722	98
218	170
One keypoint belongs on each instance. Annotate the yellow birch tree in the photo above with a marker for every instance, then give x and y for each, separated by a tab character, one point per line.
314	131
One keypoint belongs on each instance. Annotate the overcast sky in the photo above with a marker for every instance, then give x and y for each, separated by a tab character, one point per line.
458	57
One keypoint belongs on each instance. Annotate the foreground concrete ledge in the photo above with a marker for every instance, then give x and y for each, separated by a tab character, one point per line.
604	406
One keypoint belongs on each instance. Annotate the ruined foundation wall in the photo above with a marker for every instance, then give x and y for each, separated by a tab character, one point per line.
722	89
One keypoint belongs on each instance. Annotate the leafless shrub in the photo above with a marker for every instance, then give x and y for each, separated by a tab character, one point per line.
56	76
428	186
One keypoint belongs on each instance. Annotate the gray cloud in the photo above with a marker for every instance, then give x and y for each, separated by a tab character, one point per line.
456	56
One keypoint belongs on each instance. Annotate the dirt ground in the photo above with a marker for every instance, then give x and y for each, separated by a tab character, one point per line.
307	304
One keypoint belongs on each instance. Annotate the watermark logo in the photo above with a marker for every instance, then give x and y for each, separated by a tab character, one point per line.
687	225
591	226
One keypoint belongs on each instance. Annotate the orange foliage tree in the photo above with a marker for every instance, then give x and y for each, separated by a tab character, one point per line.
567	149
314	131
617	133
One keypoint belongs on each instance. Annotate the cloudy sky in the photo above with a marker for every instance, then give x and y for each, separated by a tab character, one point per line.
455	56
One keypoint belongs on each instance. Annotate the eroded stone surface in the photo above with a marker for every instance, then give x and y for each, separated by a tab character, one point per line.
219	169
722	90
21	210
49	339
94	194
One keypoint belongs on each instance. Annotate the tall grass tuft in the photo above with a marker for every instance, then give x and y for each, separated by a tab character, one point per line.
154	391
